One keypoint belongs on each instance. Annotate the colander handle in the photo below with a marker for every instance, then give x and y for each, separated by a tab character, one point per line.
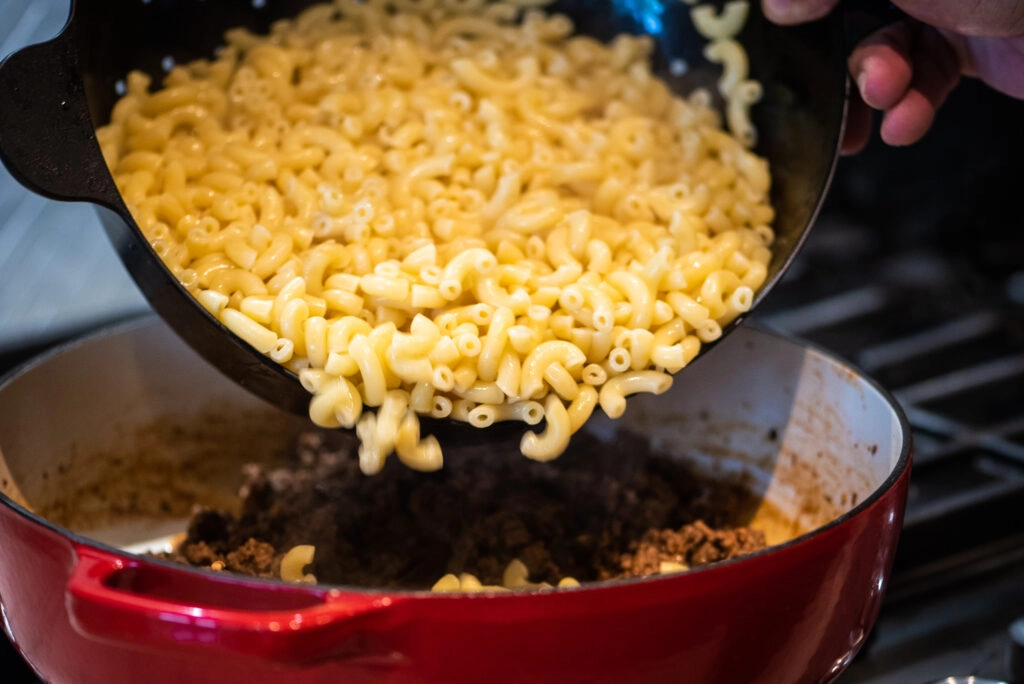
47	137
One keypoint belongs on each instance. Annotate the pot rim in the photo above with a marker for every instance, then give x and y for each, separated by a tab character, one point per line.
149	319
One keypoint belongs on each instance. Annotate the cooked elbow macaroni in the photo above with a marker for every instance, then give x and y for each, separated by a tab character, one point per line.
432	212
739	92
293	564
515	576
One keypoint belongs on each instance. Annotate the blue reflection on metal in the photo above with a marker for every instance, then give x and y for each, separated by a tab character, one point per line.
646	13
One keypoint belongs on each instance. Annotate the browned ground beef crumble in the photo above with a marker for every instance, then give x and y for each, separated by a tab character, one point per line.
602	510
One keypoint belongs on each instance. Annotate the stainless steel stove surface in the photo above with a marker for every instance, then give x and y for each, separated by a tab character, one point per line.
40	238
915	273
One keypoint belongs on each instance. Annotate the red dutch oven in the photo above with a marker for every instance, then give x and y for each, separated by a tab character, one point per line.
106	442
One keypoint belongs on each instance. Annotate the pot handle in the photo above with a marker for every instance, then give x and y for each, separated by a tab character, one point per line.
47	137
150	606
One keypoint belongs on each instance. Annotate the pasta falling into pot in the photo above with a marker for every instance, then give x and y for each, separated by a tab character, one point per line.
450	209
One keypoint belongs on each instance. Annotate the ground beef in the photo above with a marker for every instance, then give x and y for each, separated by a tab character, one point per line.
604	509
691	545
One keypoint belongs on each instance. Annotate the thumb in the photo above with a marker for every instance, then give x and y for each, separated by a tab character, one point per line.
993	18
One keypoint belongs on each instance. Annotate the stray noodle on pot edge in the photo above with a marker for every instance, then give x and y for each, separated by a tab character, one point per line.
516	575
452	209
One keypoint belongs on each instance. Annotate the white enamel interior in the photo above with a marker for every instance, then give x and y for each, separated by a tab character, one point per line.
136	415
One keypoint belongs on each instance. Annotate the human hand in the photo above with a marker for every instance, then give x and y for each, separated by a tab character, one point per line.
907	69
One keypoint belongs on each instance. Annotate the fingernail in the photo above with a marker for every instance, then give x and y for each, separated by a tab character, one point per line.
778	9
862	79
797	11
786	10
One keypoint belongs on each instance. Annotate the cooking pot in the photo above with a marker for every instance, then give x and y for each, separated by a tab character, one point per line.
106	442
57	92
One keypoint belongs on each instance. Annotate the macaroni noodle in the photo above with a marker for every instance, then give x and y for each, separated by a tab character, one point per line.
438	209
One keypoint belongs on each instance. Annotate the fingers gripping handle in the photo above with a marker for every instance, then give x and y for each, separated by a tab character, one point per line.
47	138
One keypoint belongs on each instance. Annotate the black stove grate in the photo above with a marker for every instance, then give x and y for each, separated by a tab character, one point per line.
951	349
943	329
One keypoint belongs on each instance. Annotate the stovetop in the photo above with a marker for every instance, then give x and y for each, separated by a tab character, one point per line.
950	345
914	273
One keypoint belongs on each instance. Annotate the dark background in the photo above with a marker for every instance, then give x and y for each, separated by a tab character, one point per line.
958	192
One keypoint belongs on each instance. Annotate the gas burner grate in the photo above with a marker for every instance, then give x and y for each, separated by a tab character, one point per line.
951	349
